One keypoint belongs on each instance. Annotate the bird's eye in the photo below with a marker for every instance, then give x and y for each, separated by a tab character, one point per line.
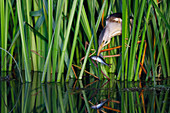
105	42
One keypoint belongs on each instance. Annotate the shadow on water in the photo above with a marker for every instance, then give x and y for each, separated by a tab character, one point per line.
84	96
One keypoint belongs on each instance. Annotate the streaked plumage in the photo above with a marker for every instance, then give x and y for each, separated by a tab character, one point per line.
113	28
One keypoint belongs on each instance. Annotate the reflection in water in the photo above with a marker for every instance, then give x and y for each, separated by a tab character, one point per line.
83	96
100	105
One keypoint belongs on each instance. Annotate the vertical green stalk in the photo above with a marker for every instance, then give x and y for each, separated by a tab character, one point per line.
74	41
37	7
161	56
150	45
42	44
165	47
31	35
25	52
142	42
14	21
85	23
126	65
50	18
136	39
124	32
166	54
164	11
4	32
46	62
126	41
66	40
60	5
133	39
65	10
92	15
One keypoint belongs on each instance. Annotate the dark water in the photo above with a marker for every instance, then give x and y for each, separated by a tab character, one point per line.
79	96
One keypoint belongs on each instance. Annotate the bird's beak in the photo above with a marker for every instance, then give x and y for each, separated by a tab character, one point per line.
100	47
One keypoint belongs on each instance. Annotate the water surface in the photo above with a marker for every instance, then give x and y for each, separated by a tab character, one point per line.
80	95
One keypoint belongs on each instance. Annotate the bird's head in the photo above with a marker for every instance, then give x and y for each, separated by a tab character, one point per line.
113	28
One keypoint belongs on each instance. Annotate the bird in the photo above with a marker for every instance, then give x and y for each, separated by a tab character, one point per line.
113	28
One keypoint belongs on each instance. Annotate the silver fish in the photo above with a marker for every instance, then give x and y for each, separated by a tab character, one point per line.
100	59
98	106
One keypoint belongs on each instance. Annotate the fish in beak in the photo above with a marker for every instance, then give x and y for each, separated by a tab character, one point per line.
100	59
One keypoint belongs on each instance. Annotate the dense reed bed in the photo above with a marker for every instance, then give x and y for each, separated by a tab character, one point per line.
50	35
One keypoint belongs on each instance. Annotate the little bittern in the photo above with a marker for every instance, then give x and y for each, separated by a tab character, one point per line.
113	28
